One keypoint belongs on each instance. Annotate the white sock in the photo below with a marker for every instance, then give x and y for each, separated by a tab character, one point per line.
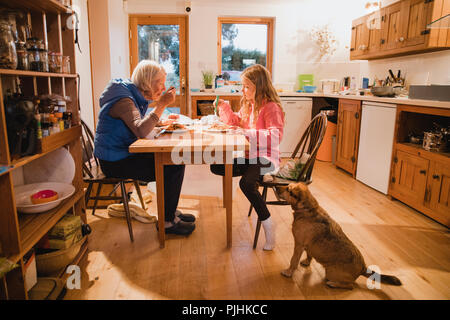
269	231
168	224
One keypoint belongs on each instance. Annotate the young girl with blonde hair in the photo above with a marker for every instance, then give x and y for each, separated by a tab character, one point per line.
262	119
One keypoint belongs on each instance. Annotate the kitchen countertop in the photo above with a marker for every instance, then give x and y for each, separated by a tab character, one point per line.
399	100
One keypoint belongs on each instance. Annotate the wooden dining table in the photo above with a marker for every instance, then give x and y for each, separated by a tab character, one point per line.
193	147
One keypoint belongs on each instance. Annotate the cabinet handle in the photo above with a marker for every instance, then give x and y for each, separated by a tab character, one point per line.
436	176
401	39
383	41
423	171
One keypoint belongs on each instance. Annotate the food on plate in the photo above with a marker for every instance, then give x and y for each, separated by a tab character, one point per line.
163	123
219	127
173	116
175	126
44	196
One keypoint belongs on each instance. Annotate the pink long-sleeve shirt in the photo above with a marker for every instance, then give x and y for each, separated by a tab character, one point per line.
264	135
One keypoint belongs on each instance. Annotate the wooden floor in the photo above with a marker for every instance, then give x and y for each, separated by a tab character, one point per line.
390	235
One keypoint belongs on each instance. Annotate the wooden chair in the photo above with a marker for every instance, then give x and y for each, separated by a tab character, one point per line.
309	143
92	174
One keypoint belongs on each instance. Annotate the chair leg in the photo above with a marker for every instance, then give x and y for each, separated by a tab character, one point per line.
258	225
127	209
88	193
114	189
138	190
99	188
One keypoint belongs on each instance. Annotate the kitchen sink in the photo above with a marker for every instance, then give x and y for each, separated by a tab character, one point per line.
433	92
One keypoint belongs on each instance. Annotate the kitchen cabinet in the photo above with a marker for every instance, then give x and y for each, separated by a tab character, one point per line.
19	233
409	176
360	37
417	13
393	26
420	178
400	29
439	190
348	125
197	100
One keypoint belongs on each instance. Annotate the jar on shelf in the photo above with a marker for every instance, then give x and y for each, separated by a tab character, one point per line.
34	56
43	56
8	54
22	56
55	62
62	106
66	64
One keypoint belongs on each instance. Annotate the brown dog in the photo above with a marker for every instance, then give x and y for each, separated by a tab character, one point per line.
323	239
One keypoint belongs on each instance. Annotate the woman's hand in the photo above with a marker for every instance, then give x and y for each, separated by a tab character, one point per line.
168	97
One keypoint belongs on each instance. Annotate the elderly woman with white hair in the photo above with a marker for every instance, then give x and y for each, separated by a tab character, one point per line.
122	120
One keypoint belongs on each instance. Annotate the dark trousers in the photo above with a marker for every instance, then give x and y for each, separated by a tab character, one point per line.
251	171
142	167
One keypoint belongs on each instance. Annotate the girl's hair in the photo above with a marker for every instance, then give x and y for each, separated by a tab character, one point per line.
144	73
260	77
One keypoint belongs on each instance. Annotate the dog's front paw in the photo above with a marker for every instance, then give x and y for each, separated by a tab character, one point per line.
287	273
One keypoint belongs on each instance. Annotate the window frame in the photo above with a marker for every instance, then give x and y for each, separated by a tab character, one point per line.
270	22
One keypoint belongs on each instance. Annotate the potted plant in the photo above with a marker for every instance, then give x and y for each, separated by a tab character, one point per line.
208	79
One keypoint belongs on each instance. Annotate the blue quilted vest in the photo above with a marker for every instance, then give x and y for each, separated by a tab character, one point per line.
113	137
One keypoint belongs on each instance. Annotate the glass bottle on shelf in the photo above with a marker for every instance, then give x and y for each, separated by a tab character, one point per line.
22	56
8	55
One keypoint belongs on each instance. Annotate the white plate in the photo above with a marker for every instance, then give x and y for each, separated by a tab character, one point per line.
57	166
217	130
177	131
23	193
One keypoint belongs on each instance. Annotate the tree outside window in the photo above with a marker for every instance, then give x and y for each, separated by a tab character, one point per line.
243	43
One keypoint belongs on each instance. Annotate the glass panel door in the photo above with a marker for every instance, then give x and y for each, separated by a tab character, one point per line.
162	39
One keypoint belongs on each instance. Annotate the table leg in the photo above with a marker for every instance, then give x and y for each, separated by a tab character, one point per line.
228	200
223	192
159	177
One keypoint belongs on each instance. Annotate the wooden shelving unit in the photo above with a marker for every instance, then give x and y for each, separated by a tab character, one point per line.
19	232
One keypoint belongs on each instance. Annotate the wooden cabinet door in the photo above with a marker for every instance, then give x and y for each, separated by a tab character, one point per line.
349	116
394	26
417	19
375	26
409	178
360	37
439	190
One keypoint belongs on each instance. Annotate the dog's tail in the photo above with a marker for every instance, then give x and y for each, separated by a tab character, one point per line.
387	279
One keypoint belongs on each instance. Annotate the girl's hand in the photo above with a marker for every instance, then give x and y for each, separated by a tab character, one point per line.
222	103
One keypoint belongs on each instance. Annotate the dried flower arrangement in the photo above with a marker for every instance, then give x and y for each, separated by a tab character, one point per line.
325	39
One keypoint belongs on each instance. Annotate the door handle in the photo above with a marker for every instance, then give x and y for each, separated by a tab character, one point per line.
423	171
183	86
436	176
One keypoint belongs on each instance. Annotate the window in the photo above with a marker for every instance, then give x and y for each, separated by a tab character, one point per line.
243	42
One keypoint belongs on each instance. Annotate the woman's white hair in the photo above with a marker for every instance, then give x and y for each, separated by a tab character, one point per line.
144	73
